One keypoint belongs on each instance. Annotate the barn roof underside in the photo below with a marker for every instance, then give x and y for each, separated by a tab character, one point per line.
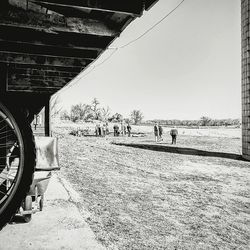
44	44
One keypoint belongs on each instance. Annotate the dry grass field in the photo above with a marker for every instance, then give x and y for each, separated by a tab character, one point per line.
143	195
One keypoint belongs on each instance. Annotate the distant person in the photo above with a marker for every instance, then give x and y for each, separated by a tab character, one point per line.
107	128
160	132
123	129
156	132
97	129
129	130
104	130
116	130
174	133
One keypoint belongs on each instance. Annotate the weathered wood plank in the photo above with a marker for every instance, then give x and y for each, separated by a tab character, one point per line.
29	59
26	84
33	90
48	81
37	68
41	74
27	48
61	38
46	76
38	78
131	7
53	21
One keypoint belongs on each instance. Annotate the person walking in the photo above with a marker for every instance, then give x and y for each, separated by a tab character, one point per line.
116	130
100	130
174	133
107	128
129	130
97	129
123	129
160	132
156	132
104	129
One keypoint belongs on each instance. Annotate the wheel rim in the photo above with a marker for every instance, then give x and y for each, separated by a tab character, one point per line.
11	157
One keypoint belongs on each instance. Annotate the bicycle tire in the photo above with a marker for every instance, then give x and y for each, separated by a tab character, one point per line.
11	199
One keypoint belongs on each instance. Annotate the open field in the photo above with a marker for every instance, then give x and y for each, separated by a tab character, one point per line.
143	195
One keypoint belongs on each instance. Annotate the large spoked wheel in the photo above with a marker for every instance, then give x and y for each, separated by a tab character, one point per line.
17	161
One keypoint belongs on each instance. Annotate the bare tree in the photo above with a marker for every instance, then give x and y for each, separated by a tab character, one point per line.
204	121
105	113
127	120
116	118
95	108
136	116
81	112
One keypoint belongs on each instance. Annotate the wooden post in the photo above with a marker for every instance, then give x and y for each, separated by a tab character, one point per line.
47	118
3	77
245	45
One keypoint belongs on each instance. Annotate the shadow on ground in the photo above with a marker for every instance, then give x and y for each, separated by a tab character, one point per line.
17	219
182	150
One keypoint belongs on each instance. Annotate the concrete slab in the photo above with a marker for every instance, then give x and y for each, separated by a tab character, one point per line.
59	226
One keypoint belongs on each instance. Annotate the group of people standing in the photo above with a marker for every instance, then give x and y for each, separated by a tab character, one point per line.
122	130
101	130
125	129
158	131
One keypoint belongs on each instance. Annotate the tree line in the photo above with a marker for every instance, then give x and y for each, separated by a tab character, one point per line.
203	121
95	111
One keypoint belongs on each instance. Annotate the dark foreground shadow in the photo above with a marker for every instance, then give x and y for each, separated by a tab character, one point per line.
17	219
184	151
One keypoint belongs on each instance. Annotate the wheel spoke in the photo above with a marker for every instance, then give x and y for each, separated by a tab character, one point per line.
5	145
12	156
17	160
3	128
7	136
7	131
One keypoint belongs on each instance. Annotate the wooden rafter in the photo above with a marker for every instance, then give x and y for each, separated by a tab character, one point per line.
58	37
131	7
41	60
47	50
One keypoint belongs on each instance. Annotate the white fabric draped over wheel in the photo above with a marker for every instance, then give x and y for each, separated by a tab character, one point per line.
47	153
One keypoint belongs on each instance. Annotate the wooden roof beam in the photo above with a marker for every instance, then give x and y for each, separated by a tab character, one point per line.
130	7
47	50
41	73
56	37
52	61
53	22
75	70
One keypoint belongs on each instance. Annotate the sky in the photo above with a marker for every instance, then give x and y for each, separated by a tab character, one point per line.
186	67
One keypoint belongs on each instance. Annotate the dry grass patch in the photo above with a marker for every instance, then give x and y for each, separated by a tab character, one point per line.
146	199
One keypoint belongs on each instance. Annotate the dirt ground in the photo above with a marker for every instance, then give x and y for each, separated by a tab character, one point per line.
143	195
59	226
